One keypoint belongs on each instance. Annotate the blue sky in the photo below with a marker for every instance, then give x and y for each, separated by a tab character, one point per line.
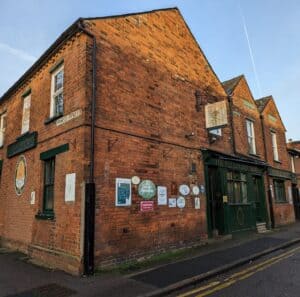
28	27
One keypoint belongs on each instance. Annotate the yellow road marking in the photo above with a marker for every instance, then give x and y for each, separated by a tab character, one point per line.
239	275
199	289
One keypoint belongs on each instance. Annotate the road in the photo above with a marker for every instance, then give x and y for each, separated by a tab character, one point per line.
277	275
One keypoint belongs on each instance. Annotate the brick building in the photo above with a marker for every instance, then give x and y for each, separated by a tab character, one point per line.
294	152
119	142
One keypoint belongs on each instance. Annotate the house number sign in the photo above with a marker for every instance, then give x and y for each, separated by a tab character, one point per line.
20	176
147	189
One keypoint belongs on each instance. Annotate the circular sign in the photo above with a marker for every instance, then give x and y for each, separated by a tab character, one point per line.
20	176
147	189
184	190
135	180
180	202
195	190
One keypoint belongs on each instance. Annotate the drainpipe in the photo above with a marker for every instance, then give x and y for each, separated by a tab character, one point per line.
229	97
268	178
90	193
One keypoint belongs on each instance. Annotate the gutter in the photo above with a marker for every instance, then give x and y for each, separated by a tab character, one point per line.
90	191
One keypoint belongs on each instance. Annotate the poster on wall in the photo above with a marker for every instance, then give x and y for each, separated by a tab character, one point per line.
197	203
172	202
123	192
20	176
70	187
162	195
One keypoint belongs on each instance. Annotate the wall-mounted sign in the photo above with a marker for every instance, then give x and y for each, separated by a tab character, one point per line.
216	114
180	202
146	206
20	177
197	203
70	187
73	115
184	190
172	202
123	192
202	189
195	190
162	195
32	198
147	189
135	180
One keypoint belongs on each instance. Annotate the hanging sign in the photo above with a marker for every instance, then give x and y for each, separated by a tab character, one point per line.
216	114
162	195
147	189
197	203
20	176
180	202
146	206
184	190
172	202
123	192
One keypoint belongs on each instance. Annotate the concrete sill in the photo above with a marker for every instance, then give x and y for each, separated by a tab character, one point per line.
50	120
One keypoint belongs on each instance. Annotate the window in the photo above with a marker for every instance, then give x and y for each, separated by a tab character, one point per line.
251	137
2	128
216	132
237	187
274	146
293	164
279	191
26	114
49	171
57	93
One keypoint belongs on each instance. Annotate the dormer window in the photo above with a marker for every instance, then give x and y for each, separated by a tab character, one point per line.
57	92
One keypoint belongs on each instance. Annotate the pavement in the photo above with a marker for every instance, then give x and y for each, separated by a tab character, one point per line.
18	278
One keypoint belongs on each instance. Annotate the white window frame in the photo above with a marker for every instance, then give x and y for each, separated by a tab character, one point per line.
2	128
57	92
274	146
26	121
251	136
293	164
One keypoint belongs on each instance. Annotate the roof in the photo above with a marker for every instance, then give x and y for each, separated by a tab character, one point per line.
76	27
230	85
262	102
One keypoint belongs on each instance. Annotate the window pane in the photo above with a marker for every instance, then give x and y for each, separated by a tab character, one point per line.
237	192
230	191
48	201
244	192
59	104
58	80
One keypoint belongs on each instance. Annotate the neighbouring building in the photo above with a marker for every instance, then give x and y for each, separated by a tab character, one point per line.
294	152
279	174
121	142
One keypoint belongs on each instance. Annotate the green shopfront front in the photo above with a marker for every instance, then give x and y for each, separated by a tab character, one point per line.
235	193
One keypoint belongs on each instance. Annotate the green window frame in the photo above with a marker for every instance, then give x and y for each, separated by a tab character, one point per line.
237	187
279	189
49	174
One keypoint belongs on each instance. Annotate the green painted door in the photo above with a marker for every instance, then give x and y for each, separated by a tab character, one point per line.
259	198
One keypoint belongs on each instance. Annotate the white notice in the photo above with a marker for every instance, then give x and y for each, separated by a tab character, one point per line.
70	187
162	196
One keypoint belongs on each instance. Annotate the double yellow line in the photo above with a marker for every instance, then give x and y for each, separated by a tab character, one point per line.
219	285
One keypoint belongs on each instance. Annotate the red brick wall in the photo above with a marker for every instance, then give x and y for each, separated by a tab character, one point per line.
149	68
245	108
19	227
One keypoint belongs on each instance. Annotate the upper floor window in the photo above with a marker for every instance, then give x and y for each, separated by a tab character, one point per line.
293	164
274	146
251	137
2	128
237	187
26	114
57	92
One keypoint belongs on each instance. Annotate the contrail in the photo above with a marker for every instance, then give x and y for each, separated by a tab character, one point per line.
250	51
16	52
